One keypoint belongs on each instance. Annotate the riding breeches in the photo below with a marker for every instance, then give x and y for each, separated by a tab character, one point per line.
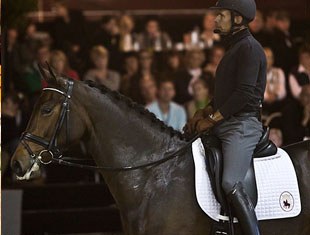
239	137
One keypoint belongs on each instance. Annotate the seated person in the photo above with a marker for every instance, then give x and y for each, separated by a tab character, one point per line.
101	73
194	59
201	98
300	75
148	90
275	86
59	62
165	109
154	38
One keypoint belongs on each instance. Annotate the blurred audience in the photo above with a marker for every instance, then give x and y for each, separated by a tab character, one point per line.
100	73
201	97
148	91
275	91
146	72
216	55
131	67
29	45
59	62
13	122
69	25
172	65
257	28
12	61
128	39
208	37
300	75
32	76
153	38
165	109
116	44
305	101
192	72
282	44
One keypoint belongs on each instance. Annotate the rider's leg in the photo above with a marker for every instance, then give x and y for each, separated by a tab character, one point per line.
239	137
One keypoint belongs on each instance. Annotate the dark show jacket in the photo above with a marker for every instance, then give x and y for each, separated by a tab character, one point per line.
241	76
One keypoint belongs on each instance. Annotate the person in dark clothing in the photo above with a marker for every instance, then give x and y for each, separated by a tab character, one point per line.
192	72
282	43
107	35
13	121
234	113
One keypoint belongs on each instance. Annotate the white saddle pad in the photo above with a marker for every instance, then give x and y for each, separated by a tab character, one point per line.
278	192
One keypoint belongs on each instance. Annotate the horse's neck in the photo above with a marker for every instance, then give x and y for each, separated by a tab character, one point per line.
122	137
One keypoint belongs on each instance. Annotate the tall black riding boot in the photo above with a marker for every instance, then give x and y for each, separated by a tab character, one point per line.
244	210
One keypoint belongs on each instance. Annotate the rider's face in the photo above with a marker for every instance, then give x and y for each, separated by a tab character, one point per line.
223	22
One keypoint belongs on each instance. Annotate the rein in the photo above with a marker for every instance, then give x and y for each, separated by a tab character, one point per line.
55	155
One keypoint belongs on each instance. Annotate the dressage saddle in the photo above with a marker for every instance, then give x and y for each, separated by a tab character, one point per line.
214	158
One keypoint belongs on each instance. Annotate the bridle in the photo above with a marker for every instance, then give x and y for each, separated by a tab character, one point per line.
55	155
50	147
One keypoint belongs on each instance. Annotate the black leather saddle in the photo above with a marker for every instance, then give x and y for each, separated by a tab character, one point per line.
214	162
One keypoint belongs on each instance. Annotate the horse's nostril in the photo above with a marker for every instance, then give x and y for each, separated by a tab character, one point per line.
17	168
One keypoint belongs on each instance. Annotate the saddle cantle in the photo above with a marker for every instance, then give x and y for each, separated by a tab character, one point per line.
214	158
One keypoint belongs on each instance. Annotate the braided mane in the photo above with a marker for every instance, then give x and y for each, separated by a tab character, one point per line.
140	109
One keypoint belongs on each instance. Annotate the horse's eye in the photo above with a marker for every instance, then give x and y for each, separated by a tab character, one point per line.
46	110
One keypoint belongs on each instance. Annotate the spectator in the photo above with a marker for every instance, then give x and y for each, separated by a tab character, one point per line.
100	73
305	101
60	62
108	34
153	38
165	109
282	44
12	62
69	25
29	46
32	77
300	75
172	65
275	91
131	66
270	21
146	72
296	118
13	122
257	28
148	90
127	37
201	97
208	37
192	72
216	55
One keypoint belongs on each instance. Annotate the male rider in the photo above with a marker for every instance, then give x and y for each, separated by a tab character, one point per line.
234	113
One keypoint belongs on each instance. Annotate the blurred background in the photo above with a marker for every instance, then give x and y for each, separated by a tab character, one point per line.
152	51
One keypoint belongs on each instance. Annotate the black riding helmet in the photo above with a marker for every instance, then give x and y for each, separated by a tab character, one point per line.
246	8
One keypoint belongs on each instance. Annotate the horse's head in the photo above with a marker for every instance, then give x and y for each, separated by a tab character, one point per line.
56	122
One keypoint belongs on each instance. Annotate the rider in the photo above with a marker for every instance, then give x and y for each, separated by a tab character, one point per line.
234	113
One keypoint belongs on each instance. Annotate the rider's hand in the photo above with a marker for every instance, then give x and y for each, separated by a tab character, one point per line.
191	126
203	125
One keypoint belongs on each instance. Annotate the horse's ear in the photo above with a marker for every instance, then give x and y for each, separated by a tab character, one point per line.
48	75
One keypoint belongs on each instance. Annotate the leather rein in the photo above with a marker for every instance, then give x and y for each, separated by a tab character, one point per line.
52	153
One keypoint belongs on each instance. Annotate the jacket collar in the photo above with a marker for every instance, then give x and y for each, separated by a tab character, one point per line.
231	39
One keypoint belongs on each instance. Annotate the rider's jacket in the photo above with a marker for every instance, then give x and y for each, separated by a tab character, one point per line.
241	76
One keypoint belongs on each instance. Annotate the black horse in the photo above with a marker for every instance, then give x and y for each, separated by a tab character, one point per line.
156	199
